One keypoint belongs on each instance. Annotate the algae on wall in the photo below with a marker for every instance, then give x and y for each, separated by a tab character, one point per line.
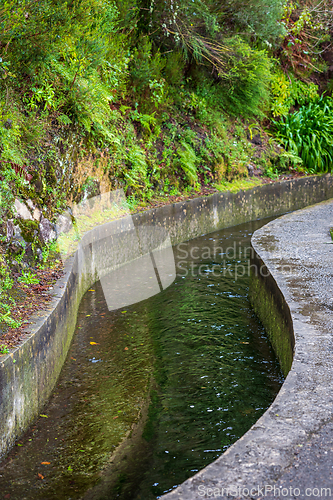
272	310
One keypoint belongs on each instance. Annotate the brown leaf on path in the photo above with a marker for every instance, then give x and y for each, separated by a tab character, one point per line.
40	476
126	349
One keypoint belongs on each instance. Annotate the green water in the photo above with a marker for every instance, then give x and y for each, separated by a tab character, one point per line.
174	380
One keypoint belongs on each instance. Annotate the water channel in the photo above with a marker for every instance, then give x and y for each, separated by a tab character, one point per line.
181	376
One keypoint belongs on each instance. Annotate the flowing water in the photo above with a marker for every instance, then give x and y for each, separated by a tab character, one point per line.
181	376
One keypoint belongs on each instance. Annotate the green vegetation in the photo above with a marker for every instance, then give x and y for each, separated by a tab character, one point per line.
308	134
28	278
158	98
3	349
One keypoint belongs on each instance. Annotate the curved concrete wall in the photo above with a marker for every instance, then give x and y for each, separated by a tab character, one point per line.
29	373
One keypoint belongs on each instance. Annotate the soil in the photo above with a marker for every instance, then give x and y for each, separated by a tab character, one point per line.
31	298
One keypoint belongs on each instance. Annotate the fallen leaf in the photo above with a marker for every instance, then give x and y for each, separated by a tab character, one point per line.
40	476
126	349
123	312
45	463
45	416
94	343
91	290
115	417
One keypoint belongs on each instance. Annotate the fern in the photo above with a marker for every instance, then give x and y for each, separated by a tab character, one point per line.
188	161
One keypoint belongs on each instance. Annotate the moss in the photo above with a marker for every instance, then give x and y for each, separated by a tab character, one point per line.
237	185
271	308
28	228
153	414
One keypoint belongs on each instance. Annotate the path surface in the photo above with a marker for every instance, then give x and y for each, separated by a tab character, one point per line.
311	473
290	448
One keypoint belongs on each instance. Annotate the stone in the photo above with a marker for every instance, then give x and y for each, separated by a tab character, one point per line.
37	214
250	169
39	254
46	230
64	223
256	139
8	124
14	235
10	230
22	210
30	204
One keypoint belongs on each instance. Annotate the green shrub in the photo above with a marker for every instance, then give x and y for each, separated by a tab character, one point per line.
261	18
308	134
146	68
246	80
288	91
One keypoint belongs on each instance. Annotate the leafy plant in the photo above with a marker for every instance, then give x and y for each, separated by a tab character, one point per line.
308	134
136	175
4	349
187	160
11	322
47	249
246	80
28	278
287	91
271	172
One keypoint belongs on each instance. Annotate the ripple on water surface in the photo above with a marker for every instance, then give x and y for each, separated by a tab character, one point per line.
181	376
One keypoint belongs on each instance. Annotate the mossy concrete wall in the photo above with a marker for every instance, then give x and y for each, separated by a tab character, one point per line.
273	311
28	375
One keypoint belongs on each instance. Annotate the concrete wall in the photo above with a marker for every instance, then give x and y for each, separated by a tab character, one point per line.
29	374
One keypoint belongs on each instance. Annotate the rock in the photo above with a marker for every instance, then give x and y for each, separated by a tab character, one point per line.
39	254
64	223
256	139
37	214
14	235
22	210
250	169
46	230
8	124
30	204
10	230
